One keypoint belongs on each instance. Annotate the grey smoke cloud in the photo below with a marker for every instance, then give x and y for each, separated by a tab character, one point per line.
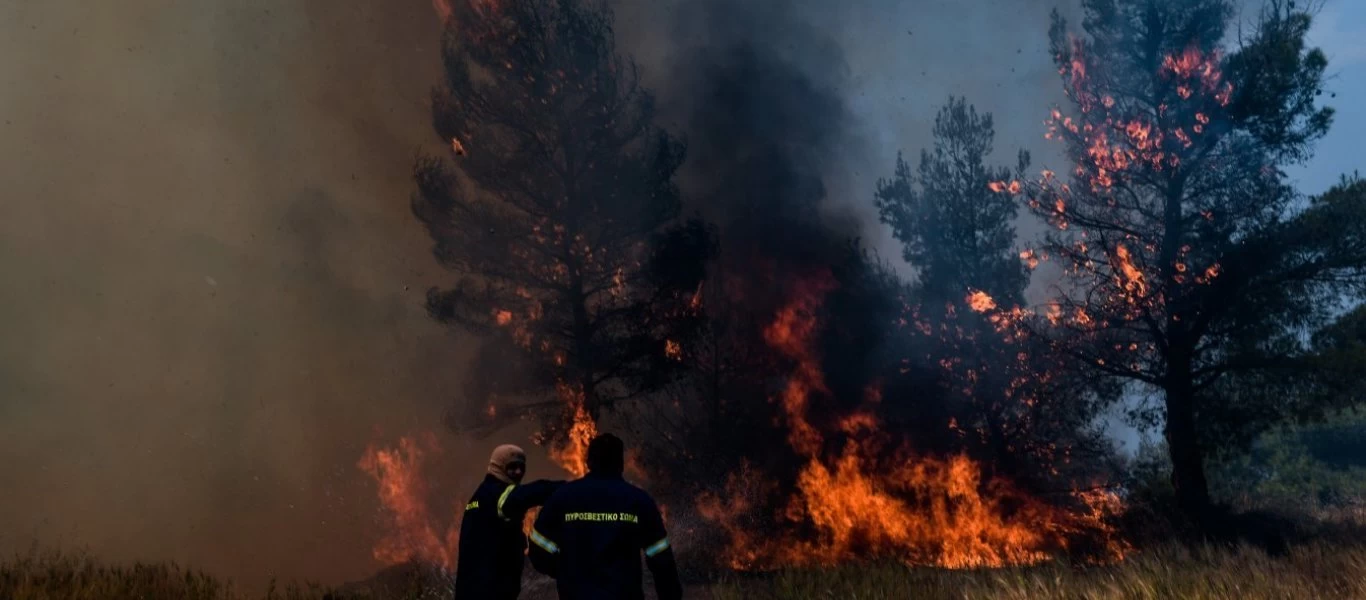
892	63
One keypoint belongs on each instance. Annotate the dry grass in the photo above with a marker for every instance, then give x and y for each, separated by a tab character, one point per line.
1312	571
1309	571
52	575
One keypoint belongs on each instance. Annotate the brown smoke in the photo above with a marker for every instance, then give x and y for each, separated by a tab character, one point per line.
213	285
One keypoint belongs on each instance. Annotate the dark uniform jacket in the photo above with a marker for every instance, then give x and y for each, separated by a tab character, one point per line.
492	546
590	534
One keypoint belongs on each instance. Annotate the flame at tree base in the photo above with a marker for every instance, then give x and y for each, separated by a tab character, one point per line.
872	500
412	533
923	512
571	453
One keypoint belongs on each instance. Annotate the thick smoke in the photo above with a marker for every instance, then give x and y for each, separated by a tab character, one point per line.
793	109
856	82
213	291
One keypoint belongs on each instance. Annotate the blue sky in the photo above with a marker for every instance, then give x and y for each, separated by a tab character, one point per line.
1340	30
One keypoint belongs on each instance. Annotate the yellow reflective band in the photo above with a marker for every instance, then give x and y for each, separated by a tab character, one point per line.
596	516
504	498
658	547
544	542
472	505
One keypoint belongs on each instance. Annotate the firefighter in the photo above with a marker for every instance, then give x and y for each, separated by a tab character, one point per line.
590	534
492	546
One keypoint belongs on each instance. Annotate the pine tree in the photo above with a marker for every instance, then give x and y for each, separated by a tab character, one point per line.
556	209
953	229
1191	265
1006	397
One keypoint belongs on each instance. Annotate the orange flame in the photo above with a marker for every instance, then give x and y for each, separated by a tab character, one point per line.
402	492
980	301
872	500
790	334
502	317
572	453
1134	280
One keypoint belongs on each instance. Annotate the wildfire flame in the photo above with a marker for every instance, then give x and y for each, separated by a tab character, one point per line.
1133	278
572	454
872	499
413	534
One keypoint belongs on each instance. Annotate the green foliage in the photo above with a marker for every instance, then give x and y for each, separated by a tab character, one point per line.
1301	467
960	236
953	229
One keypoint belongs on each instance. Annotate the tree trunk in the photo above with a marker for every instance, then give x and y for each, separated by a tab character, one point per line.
1183	444
584	361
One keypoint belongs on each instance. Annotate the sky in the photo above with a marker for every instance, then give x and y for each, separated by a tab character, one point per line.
214	283
1340	30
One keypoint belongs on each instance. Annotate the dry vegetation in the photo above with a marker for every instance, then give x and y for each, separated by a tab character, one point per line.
1318	569
1314	571
52	575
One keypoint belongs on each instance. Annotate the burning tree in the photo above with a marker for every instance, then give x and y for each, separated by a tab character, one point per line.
1189	262
559	213
1003	392
824	462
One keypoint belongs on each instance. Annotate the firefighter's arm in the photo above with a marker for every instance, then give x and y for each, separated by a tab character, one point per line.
659	554
545	549
516	500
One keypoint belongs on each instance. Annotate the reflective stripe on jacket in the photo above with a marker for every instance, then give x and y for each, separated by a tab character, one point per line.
492	546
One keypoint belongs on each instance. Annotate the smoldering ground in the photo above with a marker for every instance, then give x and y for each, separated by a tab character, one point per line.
214	285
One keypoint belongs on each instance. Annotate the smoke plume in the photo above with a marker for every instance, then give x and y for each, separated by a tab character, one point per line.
214	283
213	289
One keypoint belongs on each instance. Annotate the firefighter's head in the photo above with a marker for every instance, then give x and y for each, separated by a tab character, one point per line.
508	463
606	455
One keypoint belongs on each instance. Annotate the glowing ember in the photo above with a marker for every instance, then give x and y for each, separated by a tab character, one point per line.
980	301
502	317
673	350
402	491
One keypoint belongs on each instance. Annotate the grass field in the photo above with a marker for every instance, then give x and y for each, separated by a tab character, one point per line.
1311	571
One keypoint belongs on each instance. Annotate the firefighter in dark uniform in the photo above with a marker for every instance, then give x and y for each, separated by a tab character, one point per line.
590	534
492	546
